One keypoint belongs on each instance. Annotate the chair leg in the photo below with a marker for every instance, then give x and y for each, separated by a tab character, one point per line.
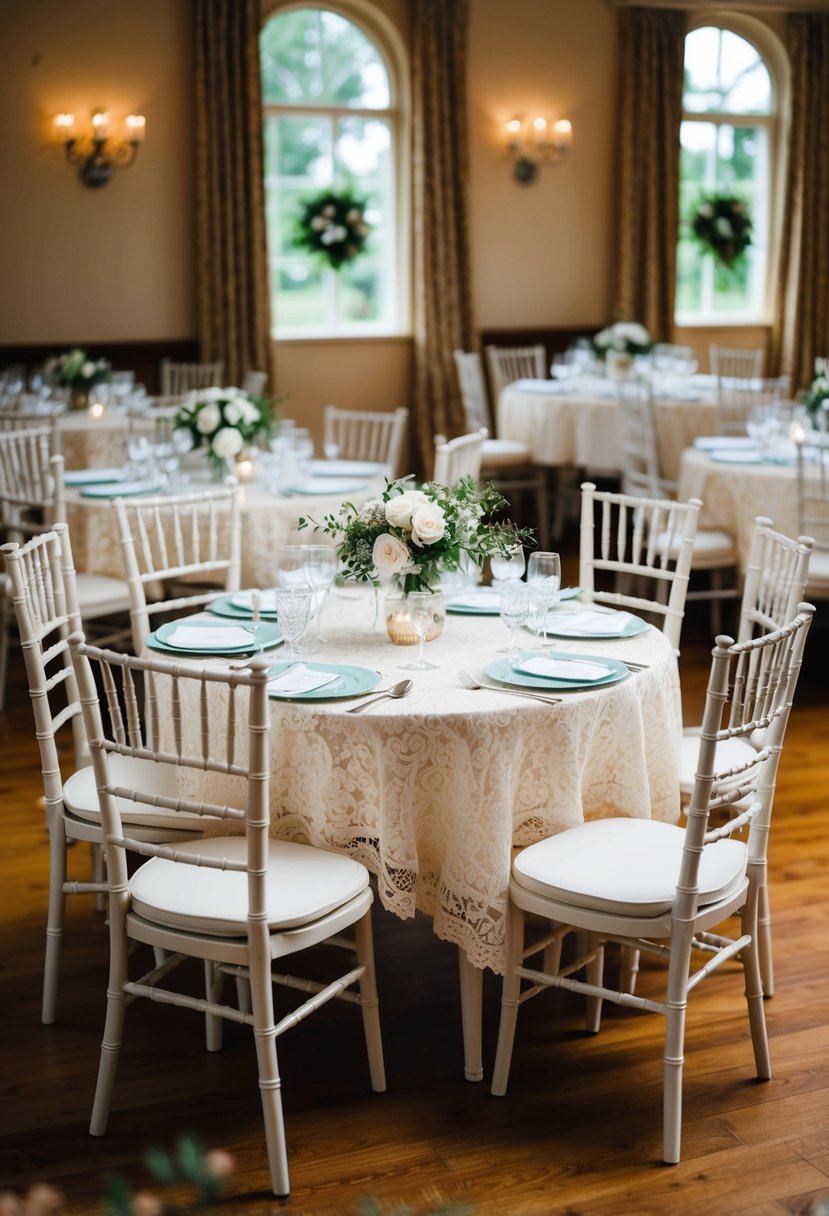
628	969
54	921
509	1002
594	974
370	1004
754	992
270	1084
96	859
472	989
672	1084
764	939
243	994
4	647
213	1025
114	1026
716	603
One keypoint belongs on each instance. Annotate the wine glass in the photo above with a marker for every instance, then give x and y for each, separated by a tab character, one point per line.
543	585
515	610
421	609
121	385
320	569
507	567
293	612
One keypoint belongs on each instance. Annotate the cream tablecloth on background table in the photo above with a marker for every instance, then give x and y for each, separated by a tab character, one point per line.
562	426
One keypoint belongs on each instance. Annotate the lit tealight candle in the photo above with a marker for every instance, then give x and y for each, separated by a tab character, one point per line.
797	432
245	469
97	409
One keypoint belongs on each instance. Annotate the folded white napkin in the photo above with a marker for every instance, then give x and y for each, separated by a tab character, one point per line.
706	442
602	624
484	597
244	599
736	456
538	386
563	669
197	637
301	679
89	477
345	468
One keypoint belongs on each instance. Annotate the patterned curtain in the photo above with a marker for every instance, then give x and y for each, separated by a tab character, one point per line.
651	58
231	252
801	323
442	287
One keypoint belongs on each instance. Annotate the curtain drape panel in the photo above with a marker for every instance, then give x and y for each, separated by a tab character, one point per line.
442	282
651	61
231	248
801	323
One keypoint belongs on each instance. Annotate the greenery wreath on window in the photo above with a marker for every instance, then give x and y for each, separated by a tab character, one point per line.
722	225
333	226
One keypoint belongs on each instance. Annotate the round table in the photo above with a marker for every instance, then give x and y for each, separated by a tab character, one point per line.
581	426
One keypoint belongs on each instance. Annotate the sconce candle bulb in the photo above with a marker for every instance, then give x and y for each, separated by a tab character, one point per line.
535	143
98	156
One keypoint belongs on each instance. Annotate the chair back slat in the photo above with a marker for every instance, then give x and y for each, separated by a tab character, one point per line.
509	363
777	571
180	378
458	458
365	435
472	386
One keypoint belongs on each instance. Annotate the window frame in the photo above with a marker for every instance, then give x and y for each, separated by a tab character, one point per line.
770	50
380	31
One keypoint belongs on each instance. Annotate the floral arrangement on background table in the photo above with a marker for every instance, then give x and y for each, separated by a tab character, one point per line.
623	337
333	225
225	419
410	537
721	223
76	371
816	400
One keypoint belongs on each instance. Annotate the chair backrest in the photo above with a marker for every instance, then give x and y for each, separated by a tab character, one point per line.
813	494
737	397
473	392
179	378
457	458
750	688
645	538
254	383
42	590
641	472
508	363
217	748
363	435
741	364
193	537
31	482
775	580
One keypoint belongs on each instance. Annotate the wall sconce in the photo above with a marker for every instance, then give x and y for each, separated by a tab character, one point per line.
535	142
98	156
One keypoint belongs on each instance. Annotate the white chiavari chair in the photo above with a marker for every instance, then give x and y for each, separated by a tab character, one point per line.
365	435
239	903
509	363
459	457
180	378
738	364
813	515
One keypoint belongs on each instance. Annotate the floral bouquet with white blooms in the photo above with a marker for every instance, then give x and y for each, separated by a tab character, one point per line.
334	226
816	400
226	419
75	369
411	536
625	337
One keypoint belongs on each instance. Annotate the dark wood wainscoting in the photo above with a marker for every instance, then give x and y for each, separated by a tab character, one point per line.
555	340
144	358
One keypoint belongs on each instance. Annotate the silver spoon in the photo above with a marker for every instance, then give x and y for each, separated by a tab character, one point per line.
397	690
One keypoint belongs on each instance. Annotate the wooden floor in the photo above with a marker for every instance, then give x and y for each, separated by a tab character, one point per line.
579	1131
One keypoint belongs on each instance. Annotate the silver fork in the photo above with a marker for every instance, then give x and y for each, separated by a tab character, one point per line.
467	682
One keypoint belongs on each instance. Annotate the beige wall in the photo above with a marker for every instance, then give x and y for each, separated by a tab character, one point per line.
118	263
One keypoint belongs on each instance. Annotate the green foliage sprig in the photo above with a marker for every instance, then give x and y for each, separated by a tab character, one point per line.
722	225
333	226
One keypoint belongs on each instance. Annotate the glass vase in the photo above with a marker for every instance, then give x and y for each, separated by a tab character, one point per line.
396	614
78	397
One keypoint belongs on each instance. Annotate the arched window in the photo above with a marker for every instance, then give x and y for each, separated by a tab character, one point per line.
330	124
729	145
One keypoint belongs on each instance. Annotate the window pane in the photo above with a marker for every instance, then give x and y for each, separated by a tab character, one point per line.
316	55
725	74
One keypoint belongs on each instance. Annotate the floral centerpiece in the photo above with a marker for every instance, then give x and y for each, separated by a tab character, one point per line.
624	337
225	419
410	537
722	225
333	226
76	371
816	400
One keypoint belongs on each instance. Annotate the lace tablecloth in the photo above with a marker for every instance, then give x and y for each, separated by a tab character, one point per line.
268	523
90	443
583	429
733	495
433	791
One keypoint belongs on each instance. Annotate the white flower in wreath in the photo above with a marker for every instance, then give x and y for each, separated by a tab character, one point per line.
390	555
333	234
723	226
428	523
227	442
208	419
354	216
330	211
319	222
399	508
705	210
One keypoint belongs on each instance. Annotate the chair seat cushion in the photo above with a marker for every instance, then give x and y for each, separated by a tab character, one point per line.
712	548
80	795
303	884
628	867
504	453
730	753
100	596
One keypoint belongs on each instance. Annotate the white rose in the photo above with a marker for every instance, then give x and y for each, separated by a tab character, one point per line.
88	369
428	523
227	442
248	410
390	554
399	509
208	419
232	413
213	394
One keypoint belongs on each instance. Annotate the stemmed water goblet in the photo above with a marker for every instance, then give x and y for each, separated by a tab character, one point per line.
543	587
421	609
507	567
293	612
320	570
515	610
